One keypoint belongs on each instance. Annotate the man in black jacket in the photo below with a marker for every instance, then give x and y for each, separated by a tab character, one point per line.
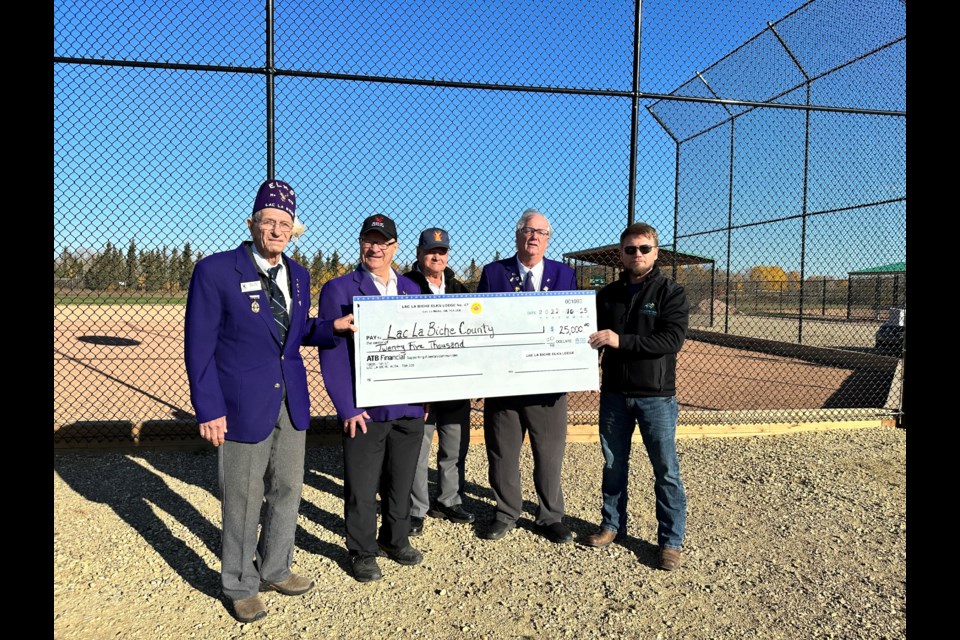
642	320
451	418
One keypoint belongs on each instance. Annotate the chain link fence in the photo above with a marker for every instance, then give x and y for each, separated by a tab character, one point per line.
764	140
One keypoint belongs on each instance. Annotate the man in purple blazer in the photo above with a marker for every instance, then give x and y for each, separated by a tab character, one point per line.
381	444
543	416
246	319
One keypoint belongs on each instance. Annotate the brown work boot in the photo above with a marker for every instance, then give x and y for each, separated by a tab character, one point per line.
601	538
670	558
249	609
293	586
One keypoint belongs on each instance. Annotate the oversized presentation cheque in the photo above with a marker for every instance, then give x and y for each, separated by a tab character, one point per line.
428	348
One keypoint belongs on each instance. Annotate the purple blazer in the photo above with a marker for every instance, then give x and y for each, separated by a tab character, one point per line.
336	364
504	276
235	363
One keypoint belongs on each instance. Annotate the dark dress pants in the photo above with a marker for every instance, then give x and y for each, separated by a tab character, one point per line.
385	459
505	422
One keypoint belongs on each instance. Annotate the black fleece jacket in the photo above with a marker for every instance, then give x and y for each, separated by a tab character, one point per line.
652	325
452	285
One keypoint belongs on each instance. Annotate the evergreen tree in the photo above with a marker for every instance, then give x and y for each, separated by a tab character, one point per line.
334	266
104	270
317	270
130	277
186	266
172	279
67	266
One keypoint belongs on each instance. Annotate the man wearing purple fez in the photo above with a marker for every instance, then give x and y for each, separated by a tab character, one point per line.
381	444
246	318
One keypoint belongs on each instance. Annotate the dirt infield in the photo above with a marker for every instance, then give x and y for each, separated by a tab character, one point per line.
118	369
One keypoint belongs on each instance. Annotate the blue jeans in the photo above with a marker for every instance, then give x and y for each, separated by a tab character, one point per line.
657	419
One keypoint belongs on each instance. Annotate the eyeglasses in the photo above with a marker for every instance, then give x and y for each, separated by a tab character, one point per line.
283	225
383	246
440	251
631	250
530	231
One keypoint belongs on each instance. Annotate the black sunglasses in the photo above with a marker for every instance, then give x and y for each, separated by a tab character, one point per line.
631	250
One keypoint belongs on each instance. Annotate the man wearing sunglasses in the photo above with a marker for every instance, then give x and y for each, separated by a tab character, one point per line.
642	320
449	419
380	443
542	416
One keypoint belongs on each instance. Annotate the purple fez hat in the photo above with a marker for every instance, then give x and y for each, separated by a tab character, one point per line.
276	194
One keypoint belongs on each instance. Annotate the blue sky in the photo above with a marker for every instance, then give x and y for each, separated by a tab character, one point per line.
164	156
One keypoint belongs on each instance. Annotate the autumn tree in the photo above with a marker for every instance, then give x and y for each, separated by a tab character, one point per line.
769	278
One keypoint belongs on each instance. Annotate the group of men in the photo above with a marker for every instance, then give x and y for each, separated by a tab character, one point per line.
247	316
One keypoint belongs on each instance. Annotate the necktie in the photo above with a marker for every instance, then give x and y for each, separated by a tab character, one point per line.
528	282
278	304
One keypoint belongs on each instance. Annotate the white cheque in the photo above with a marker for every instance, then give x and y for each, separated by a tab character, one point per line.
428	348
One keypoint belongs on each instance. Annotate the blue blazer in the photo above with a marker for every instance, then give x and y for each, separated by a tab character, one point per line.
235	363
504	276
336	364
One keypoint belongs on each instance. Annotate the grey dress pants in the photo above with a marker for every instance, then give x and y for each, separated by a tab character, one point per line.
260	485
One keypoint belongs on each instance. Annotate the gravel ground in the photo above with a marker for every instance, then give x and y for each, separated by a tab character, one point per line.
788	536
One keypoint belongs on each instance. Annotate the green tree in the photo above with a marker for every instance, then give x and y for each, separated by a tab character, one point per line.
153	265
172	279
130	276
318	271
67	266
186	266
104	270
298	256
333	267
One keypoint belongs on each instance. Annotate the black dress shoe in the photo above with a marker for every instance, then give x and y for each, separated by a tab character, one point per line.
407	555
416	526
365	568
498	529
556	532
453	514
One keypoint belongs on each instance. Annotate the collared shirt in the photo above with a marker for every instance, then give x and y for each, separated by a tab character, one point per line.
536	271
388	288
282	280
438	289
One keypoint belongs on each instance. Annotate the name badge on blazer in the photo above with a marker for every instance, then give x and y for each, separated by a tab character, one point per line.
253	285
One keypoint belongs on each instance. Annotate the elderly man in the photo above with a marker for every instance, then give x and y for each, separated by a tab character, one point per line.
642	321
542	416
449	419
246	318
380	444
